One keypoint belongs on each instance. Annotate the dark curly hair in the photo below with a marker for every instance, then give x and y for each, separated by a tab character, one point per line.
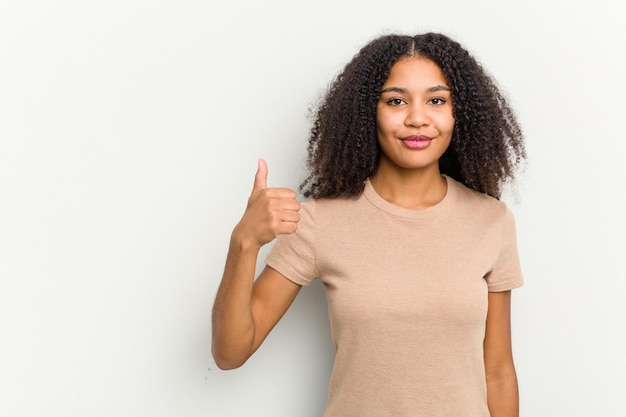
487	143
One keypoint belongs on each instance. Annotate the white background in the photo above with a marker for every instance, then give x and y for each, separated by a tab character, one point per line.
129	136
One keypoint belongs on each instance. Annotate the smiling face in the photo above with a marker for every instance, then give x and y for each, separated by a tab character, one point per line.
414	118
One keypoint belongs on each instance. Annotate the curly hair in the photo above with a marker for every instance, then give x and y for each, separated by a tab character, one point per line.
487	144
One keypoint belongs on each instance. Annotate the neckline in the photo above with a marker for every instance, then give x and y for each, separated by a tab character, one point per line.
376	200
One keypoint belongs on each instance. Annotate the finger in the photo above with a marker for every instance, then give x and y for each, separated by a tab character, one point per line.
290	205
287	228
260	179
281	193
290	216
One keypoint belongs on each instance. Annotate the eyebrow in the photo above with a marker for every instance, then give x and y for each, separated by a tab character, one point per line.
405	91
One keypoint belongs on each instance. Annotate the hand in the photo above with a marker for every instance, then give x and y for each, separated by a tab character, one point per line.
270	211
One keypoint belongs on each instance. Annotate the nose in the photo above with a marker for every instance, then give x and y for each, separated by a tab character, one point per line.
417	115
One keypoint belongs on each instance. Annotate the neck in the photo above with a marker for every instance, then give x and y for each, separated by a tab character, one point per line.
412	189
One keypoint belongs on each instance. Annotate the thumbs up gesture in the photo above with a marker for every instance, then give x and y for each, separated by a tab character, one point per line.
270	211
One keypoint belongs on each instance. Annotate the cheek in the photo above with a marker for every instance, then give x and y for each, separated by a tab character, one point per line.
381	126
451	126
446	124
385	124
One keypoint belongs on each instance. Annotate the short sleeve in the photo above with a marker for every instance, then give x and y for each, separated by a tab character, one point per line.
506	273
293	255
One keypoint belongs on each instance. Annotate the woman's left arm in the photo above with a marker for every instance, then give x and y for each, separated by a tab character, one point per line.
502	392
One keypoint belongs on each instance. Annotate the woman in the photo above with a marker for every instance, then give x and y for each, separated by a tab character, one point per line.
408	155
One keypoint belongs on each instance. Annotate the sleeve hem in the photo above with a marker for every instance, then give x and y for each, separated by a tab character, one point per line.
281	270
505	286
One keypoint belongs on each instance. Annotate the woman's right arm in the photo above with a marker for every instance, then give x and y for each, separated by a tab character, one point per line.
245	310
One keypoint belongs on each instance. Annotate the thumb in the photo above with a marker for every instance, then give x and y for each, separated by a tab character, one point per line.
260	179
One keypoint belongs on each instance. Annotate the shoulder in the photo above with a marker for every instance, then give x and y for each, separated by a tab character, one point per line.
478	204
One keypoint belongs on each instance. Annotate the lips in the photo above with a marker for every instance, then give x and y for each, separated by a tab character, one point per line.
417	142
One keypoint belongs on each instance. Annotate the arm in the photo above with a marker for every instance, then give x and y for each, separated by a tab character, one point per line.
502	393
245	311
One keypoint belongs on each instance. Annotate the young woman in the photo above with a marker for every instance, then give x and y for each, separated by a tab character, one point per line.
408	155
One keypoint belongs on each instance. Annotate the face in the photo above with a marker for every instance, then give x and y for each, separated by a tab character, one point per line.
414	116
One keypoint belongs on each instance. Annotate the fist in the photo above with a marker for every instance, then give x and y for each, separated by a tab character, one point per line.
270	211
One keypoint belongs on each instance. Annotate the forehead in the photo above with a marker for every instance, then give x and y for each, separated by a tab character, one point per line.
415	71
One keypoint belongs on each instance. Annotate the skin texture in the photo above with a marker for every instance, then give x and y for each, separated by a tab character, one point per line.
415	98
502	391
413	105
415	102
245	311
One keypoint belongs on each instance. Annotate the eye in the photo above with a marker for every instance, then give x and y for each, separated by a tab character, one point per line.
437	101
396	102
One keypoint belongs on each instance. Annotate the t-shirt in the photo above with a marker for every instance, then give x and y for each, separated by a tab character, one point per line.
407	297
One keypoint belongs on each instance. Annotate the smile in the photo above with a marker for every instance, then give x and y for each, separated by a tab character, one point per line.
417	142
